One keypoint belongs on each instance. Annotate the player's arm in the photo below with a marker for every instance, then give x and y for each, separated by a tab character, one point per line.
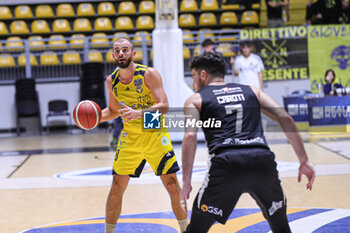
277	113
261	67
111	111
153	81
189	144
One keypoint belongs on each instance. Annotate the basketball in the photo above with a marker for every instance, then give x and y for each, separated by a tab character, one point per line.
87	114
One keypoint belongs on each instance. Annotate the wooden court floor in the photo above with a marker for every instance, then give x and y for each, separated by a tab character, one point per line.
58	178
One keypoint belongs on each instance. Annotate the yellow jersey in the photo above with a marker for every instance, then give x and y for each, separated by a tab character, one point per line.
135	95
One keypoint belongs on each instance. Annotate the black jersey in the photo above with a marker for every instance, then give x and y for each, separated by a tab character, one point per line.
238	109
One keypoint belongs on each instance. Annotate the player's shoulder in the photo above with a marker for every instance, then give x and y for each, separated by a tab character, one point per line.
255	56
194	99
115	71
239	57
150	72
255	91
152	77
109	79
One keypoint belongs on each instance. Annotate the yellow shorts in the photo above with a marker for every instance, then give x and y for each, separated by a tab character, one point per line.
134	149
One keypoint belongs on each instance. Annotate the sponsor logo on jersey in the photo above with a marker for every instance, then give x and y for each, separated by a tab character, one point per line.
230	98
212	210
138	82
168	154
139	89
141	106
144	99
242	141
227	90
165	141
204	208
275	206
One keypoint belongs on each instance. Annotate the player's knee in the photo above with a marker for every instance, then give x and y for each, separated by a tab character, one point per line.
172	186
119	183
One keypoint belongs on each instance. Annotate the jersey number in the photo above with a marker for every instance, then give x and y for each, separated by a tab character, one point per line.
239	115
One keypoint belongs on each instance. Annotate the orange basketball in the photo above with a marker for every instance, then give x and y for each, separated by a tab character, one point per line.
87	114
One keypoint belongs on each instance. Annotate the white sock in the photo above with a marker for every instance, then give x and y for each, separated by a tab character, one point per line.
109	228
183	224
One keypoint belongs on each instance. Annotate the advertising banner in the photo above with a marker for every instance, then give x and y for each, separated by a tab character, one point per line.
283	51
331	112
297	108
329	48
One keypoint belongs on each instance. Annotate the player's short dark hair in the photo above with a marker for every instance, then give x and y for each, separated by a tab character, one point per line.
246	43
212	63
126	38
207	42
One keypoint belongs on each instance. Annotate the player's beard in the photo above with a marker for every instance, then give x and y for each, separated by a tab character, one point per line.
125	63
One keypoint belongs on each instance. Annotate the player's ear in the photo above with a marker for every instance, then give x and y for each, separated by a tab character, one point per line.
133	53
203	75
113	55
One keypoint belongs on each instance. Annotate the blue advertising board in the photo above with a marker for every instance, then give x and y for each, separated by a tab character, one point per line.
330	113
297	108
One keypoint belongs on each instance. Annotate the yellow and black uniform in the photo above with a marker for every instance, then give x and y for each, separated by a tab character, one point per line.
136	146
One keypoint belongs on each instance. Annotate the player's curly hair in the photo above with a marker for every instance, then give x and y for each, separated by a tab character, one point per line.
212	63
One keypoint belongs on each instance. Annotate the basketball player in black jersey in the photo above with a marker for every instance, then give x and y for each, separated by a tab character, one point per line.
240	159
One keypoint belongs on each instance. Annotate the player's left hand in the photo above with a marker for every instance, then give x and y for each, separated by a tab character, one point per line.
307	169
185	191
185	194
129	114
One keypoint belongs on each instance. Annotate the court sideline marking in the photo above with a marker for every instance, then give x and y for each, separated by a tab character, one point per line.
19	166
333	151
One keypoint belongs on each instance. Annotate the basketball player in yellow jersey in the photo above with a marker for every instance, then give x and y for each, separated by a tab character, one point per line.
132	89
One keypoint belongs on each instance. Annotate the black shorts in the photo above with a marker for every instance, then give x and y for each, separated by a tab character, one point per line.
233	172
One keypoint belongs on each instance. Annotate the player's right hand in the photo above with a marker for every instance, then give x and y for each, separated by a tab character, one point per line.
307	169
128	114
